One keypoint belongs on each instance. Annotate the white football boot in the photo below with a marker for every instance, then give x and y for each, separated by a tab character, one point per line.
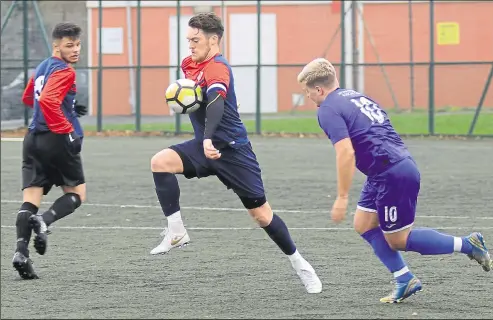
307	274
171	240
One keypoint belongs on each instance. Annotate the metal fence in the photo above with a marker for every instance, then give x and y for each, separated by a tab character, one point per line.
428	63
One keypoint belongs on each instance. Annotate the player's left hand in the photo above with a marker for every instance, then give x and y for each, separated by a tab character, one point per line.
210	151
80	110
339	209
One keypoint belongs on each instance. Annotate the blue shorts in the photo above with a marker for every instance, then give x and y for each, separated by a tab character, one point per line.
393	194
237	168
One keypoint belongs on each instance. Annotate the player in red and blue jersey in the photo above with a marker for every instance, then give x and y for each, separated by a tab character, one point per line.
52	145
363	137
220	148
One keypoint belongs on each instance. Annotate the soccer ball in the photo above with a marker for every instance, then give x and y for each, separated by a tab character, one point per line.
184	96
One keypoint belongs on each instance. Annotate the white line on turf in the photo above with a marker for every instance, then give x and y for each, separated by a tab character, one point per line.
138	206
230	228
12	139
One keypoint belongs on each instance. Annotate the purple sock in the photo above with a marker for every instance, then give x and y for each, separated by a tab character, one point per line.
390	258
431	242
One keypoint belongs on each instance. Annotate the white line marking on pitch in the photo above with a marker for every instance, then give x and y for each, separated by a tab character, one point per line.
138	206
12	139
231	228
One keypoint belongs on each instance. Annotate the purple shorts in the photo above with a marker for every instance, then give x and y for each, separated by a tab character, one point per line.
393	194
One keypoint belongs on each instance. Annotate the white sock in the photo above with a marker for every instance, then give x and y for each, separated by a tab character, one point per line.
175	223
296	256
401	272
457	244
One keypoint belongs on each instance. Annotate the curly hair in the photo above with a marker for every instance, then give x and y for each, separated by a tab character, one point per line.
66	29
209	23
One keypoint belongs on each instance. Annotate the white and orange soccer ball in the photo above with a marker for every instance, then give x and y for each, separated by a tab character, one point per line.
184	96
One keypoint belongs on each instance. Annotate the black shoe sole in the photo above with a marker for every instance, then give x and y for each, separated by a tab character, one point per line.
41	239
40	243
23	270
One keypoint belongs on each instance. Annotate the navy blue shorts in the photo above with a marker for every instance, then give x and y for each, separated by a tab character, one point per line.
393	194
237	169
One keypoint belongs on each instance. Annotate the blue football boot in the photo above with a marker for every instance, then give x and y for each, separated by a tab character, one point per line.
479	251
403	290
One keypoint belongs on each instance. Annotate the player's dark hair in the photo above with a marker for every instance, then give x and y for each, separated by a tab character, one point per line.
207	22
66	29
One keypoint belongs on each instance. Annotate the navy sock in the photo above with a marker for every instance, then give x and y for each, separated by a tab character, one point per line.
22	227
431	242
168	192
62	207
390	258
279	233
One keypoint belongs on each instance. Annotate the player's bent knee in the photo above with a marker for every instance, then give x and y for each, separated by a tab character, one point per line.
396	245
253	203
397	240
167	160
259	209
79	191
33	195
364	221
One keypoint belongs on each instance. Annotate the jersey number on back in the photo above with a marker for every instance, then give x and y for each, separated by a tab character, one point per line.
370	109
38	86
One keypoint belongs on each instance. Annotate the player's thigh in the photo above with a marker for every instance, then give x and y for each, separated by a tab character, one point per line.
35	180
366	217
397	200
186	158
239	170
66	168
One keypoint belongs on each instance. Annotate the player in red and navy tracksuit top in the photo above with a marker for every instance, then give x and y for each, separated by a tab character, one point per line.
52	145
54	110
220	148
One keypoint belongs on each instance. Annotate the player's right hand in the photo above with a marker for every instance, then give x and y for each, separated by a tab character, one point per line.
339	209
74	142
210	151
80	109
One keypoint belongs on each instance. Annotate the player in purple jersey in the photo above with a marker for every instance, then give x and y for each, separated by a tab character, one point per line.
363	137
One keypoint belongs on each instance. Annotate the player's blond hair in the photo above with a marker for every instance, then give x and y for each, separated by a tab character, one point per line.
318	72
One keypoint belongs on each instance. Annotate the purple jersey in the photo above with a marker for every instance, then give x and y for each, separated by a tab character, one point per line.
346	113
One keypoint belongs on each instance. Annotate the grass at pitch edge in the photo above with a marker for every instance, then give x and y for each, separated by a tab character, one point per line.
404	123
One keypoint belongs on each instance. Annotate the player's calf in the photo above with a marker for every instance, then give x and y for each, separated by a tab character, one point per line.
426	241
23	230
164	165
21	261
61	208
366	224
277	230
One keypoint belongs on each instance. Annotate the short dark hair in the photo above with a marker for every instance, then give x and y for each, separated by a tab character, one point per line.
66	29
207	22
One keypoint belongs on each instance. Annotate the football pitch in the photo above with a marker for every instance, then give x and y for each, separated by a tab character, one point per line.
98	264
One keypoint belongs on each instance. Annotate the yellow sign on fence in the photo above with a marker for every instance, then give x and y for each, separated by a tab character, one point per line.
448	33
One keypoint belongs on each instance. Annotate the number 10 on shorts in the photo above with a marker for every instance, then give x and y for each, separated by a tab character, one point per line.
390	214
